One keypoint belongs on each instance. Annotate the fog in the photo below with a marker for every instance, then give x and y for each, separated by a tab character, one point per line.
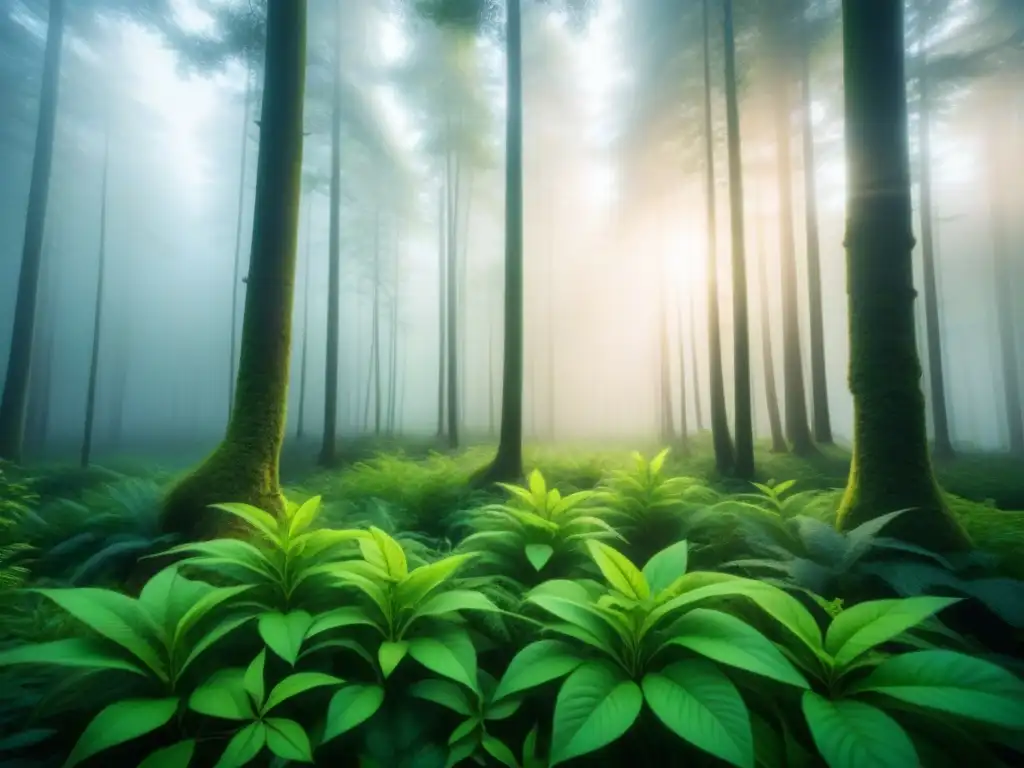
615	238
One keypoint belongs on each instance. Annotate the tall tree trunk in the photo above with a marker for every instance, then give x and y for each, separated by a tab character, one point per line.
891	468
933	334
724	455
462	268
798	430
684	427
697	406
549	294
491	410
244	467
442	293
40	377
821	418
393	364
304	357
19	362
377	389
370	354
771	393
508	463
744	422
668	422
97	321
236	274
452	311
329	446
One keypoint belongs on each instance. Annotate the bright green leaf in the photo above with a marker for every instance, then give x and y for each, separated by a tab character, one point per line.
536	664
253	680
866	625
284	633
446	693
349	707
288	740
175	756
852	734
390	655
223	695
451	655
120	722
297	684
619	571
539	554
499	751
244	746
666	566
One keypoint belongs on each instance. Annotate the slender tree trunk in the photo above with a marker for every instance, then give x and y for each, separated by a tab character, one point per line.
236	274
550	324
891	469
118	389
452	312
97	322
821	419
19	362
377	388
508	463
393	364
370	355
771	393
329	446
304	357
491	411
40	377
744	429
462	268
668	422
442	292
684	427
245	466
933	334
697	406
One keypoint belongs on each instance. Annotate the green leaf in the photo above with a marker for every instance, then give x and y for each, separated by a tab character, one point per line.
497	749
697	702
451	655
729	640
120	722
866	625
211	638
223	551
284	633
244	746
262	521
664	567
595	706
445	693
390	655
253	681
73	652
384	552
951	682
659	461
297	684
175	756
349	707
304	516
538	488
223	695
619	571
423	580
581	615
455	600
536	664
288	740
352	615
465	729
202	608
539	554
502	710
852	734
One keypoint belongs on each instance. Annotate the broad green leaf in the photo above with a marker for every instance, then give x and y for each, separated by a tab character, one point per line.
304	516
536	664
620	573
595	706
296	684
175	756
538	488
390	655
729	640
866	625
464	729
223	551
852	734
539	554
223	695
502	710
73	652
423	580
455	600
447	694
253	680
451	655
659	461
262	521
203	607
951	682
211	638
349	707
244	746
461	751
499	751
517	491
697	702
584	616
384	552
314	543
288	740
284	633
339	617
666	566
121	722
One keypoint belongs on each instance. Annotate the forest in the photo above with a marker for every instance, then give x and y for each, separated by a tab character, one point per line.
526	383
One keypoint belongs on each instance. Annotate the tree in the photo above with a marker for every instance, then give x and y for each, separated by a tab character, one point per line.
891	467
767	354
244	467
304	354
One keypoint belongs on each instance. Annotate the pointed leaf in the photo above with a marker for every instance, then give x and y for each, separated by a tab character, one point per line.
253	681
539	554
866	625
244	746
382	551
423	580
499	751
538	663
852	734
73	652
621	574
288	740
223	695
349	707
339	617
455	600
121	722
390	655
296	684
304	516
452	656
284	633
175	756
262	521
446	693
666	566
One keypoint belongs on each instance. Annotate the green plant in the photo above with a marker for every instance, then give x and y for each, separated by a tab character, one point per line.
537	532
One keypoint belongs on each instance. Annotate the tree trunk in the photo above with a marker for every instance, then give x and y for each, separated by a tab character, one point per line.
442	293
695	374
891	468
393	364
452	310
744	429
933	335
724	455
41	375
236	274
97	321
244	467
377	390
304	358
668	422
771	393
19	362
491	410
798	431
684	427
821	419
329	446
508	463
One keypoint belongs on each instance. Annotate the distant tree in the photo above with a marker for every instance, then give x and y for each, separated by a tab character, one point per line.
891	467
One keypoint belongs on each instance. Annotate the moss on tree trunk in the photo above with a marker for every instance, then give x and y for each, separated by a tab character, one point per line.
891	467
244	467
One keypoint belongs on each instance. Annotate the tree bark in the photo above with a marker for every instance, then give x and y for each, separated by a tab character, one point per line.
244	467
452	311
14	403
891	468
744	422
771	392
442	292
236	274
724	455
393	363
304	357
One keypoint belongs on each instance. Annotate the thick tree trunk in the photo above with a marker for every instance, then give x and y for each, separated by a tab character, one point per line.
244	467
744	428
508	463
304	357
97	321
236	273
724	454
821	418
771	393
19	362
329	446
891	469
